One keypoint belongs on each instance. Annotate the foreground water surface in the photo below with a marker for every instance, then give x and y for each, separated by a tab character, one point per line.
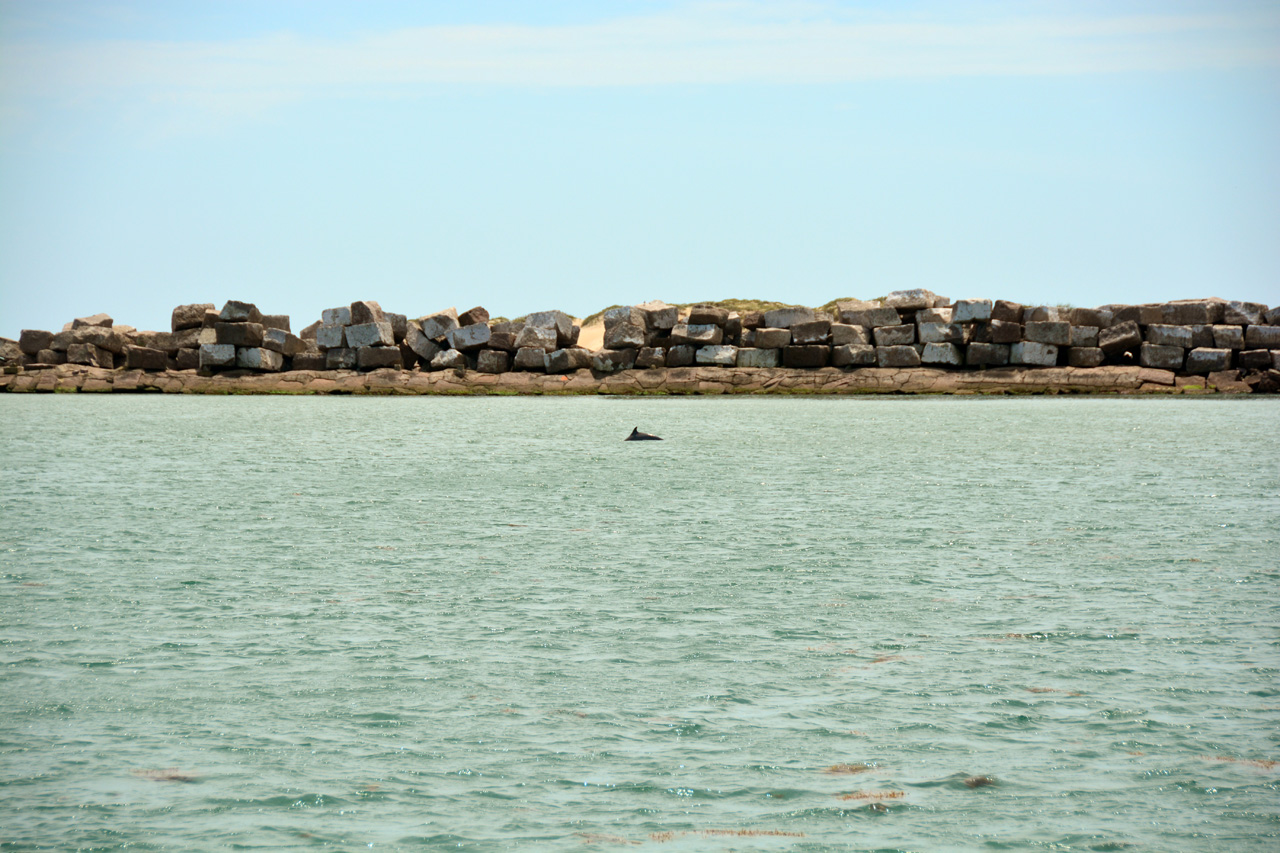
489	624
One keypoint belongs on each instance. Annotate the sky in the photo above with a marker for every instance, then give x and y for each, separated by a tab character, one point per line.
533	155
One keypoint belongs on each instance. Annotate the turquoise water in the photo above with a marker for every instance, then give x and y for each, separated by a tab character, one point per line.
489	624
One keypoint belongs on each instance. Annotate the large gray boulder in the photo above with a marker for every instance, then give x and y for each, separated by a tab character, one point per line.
479	314
558	320
660	316
697	335
276	321
366	311
90	355
1097	317
853	355
613	360
103	321
342	358
103	337
632	315
1207	360
806	356
439	324
1005	331
1084	336
680	355
721	356
467	338
856	312
942	353
940	333
531	358
336	316
1120	338
1169	336
1228	337
420	344
813	333
372	358
767	338
897	356
971	310
31	341
895	336
1007	311
1033	353
449	359
240	334
1191	312
753	357
785	318
370	334
331	336
493	361
189	316
1055	332
845	334
568	360
650	357
1253	359
217	356
240	312
145	358
539	337
1085	356
913	300
703	315
1243	313
934	315
987	355
623	335
257	358
278	340
1262	337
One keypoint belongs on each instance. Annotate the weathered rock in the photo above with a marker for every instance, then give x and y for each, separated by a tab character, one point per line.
62	341
1163	357
1120	338
165	342
649	357
979	332
1254	359
279	340
275	321
503	340
90	354
189	316
1006	311
366	311
372	358
1228	337
558	320
568	360
857	312
336	316
1192	312
622	335
103	337
240	312
1095	317
895	336
474	316
1170	336
531	358
942	353
543	338
102	321
420	344
1271	318
660	316
1262	337
439	324
733	328
723	356
1055	332
767	338
1082	356
399	325
754	357
704	315
680	355
897	356
1043	314
1243	313
257	358
493	361
369	334
342	358
217	355
50	356
814	333
31	341
145	358
449	359
698	335
844	334
983	354
331	336
785	318
574	332
934	315
1033	353
212	317
613	360
806	356
913	300
1084	336
310	361
1201	336
240	334
632	315
971	310
187	358
1005	332
940	333
472	337
853	355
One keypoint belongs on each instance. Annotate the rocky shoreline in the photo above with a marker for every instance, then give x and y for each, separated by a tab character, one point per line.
707	380
908	342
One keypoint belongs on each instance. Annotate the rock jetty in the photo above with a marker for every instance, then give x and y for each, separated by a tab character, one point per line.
911	341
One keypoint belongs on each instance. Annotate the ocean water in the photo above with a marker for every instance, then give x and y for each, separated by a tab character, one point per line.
490	624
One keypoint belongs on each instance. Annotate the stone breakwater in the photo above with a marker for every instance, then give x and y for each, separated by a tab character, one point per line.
912	341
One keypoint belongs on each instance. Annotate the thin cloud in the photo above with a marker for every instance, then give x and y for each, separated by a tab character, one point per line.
704	45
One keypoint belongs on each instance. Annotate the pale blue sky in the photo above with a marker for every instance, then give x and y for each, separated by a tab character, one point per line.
531	155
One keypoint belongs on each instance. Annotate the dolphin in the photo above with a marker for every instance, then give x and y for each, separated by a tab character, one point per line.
637	435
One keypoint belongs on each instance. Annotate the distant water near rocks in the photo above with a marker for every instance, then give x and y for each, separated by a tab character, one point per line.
805	624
